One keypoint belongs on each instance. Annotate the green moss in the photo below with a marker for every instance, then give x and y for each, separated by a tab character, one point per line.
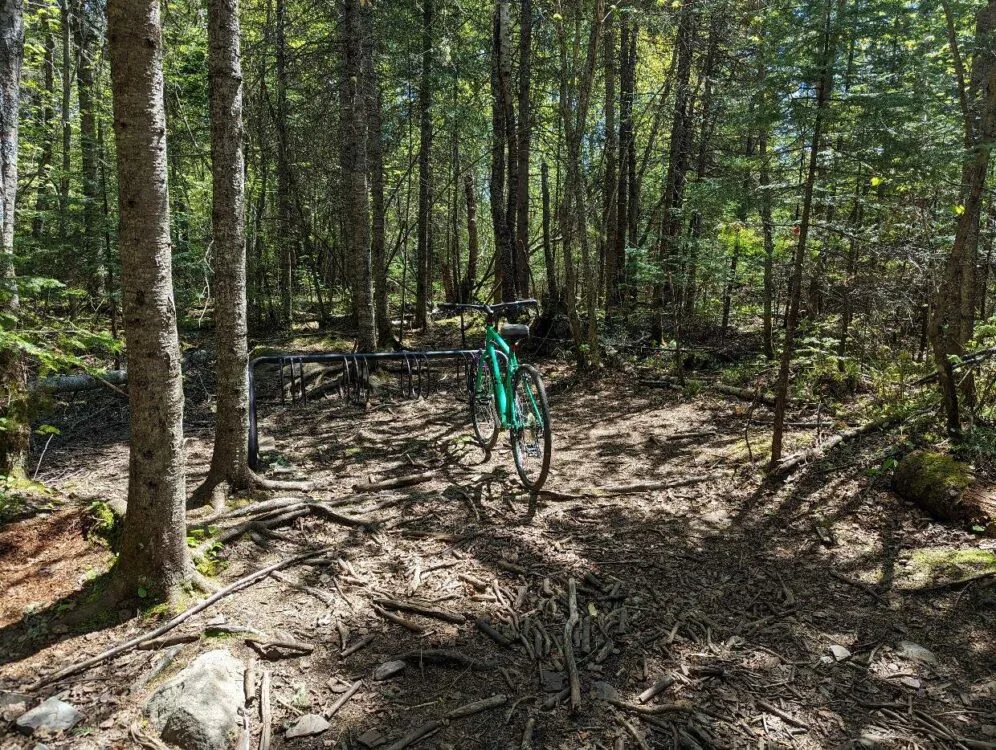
936	563
932	474
102	524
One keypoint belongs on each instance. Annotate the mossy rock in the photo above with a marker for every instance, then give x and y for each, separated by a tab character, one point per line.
946	489
102	522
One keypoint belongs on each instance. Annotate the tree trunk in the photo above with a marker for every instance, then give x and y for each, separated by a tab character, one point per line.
14	438
503	168
768	234
67	127
375	159
354	169
469	283
553	299
287	238
229	461
677	167
94	271
48	134
823	95
423	281
154	558
607	265
522	152
951	321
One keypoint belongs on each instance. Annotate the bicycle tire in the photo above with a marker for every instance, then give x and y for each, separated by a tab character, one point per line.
483	414
537	429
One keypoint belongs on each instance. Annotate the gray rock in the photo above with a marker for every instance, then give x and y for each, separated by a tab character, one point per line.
839	652
553	682
388	669
604	691
199	708
50	716
13	705
308	725
916	652
371	738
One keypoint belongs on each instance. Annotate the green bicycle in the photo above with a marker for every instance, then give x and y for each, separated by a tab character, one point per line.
507	395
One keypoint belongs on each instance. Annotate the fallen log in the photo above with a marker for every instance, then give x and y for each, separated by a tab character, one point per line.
793	462
77	383
947	490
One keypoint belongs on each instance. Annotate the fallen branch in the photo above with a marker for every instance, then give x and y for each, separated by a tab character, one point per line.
445	658
323	596
790	463
391	484
627	489
362	643
418	609
783	715
953	584
334	709
265	712
572	665
331	515
461	712
272	649
493	633
659	708
121	648
399	620
744	394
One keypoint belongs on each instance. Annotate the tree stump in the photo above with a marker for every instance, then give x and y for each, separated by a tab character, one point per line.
947	490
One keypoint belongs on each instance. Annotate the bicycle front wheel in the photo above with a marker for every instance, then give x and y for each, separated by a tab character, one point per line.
482	404
532	443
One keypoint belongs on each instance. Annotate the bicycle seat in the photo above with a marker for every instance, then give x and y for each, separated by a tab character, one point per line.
513	331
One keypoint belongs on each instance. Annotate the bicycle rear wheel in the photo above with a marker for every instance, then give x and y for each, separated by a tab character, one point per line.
532	443
482	404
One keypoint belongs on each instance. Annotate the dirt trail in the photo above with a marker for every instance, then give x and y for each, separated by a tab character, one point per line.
782	614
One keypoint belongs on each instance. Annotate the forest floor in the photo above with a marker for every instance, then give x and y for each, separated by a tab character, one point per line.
802	613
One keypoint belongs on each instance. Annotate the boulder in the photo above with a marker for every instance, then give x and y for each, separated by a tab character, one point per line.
199	708
48	717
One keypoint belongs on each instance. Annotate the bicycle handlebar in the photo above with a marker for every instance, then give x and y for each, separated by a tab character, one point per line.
497	309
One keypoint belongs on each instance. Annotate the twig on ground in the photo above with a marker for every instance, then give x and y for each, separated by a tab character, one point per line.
334	708
395	483
418	609
238	585
572	666
265	712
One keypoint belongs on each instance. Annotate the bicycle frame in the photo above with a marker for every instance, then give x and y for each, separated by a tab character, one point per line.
495	346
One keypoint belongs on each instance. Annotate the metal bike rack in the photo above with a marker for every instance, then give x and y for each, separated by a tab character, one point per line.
414	377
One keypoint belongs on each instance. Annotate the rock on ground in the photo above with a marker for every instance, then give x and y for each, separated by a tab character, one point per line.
308	725
49	716
199	708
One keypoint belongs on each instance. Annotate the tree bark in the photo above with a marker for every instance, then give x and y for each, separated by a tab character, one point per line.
67	127
473	249
375	163
94	271
229	461
608	273
354	168
951	319
15	435
154	558
553	299
285	206
522	151
48	134
823	95
423	261
768	235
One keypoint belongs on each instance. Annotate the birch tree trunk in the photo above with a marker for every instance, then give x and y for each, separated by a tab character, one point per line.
14	437
154	558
